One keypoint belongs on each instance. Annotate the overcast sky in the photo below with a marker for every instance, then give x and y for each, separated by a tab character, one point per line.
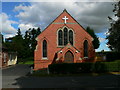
26	15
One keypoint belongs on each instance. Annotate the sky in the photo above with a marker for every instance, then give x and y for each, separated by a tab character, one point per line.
25	15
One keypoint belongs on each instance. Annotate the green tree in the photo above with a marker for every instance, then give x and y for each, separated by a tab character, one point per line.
16	44
95	42
24	46
30	42
114	30
27	51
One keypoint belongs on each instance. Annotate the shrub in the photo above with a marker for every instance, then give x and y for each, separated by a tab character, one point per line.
110	56
73	68
76	68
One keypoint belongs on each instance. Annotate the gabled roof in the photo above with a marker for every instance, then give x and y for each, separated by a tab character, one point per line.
70	46
64	11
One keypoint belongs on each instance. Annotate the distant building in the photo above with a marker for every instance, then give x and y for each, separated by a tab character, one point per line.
7	57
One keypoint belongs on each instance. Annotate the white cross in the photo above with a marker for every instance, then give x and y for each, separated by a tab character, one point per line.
65	18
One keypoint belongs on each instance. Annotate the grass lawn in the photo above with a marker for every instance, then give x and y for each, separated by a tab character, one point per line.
29	60
26	62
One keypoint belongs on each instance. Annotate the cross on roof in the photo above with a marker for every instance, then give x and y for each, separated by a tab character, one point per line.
65	18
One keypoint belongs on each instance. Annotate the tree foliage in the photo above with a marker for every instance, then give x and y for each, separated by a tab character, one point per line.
30	42
95	42
113	34
23	45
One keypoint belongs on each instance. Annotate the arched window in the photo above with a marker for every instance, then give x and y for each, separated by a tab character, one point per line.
85	48
60	37
65	36
44	49
71	37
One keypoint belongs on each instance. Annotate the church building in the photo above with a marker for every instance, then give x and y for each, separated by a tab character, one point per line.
63	41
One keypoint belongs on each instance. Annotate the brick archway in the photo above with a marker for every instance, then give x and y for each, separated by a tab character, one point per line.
69	57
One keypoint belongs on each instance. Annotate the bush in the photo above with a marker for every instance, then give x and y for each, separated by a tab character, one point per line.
73	68
110	56
76	68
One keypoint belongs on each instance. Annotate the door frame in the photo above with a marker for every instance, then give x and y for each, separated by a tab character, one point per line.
71	53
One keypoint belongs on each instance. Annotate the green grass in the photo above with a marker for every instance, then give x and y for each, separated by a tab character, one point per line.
27	62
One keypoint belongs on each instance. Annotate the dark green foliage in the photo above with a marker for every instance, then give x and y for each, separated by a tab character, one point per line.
73	68
30	42
76	68
95	42
99	67
24	46
16	44
114	31
110	56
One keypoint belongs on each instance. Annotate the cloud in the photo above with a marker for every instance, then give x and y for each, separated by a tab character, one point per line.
102	39
87	14
25	27
7	27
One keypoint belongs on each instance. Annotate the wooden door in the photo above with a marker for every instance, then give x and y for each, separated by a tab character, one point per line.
69	58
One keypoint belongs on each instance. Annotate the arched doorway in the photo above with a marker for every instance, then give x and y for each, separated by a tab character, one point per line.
69	57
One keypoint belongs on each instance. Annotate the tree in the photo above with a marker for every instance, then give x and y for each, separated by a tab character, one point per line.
30	42
95	42
16	44
24	46
113	35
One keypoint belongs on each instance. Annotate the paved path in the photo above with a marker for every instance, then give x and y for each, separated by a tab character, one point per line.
14	77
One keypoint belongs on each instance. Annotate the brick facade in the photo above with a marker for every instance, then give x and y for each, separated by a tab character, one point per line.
56	53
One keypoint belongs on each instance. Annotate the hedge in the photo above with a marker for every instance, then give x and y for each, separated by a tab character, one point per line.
76	68
110	56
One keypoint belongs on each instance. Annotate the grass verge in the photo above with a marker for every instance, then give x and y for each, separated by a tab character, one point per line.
27	62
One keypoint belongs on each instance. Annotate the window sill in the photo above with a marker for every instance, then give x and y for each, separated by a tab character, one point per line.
60	46
85	57
44	58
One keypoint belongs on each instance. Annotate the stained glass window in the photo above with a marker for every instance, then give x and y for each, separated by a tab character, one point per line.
60	37
71	37
44	48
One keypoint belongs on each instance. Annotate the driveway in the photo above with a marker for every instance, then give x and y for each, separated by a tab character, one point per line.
15	77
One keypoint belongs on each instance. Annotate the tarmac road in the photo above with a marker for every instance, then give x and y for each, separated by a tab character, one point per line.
15	77
10	74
